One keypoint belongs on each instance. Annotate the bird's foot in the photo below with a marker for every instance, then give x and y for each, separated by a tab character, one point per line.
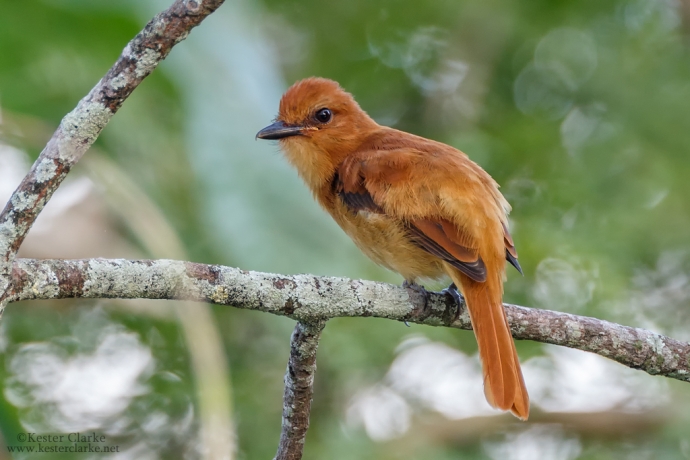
452	291
421	291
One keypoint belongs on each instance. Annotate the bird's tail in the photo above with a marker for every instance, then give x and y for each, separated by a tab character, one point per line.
504	385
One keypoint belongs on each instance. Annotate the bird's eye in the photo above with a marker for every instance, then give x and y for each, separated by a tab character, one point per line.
323	115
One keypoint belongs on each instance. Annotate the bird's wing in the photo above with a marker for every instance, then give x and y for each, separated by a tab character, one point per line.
401	183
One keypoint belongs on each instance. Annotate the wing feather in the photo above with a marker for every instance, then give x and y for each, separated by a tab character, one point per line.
431	236
511	252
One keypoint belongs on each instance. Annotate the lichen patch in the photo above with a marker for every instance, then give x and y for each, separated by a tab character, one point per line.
148	61
45	170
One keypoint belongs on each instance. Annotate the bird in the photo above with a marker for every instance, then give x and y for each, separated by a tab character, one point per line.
413	205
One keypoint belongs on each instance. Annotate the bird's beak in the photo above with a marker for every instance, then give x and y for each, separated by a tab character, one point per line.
278	130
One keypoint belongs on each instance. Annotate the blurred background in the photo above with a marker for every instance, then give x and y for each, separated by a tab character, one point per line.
580	109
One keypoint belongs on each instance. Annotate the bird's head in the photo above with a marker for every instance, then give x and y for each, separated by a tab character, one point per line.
318	125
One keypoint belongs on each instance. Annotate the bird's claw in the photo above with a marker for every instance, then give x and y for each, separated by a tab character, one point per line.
459	299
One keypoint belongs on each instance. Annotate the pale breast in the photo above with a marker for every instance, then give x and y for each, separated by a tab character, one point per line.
385	241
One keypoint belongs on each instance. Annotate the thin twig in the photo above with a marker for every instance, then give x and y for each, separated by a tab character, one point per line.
80	128
299	388
310	299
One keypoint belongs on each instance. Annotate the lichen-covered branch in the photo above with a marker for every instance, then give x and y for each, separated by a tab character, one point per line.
299	388
311	299
80	128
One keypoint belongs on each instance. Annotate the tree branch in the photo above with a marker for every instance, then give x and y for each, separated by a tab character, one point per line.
80	128
311	299
299	388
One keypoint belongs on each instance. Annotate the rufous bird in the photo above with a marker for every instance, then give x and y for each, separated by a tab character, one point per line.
416	206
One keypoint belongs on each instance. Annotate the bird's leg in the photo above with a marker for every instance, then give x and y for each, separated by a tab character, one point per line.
419	289
452	290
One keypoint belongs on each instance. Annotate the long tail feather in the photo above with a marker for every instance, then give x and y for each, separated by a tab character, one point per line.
504	385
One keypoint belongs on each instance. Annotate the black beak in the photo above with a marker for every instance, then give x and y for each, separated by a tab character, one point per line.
278	130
